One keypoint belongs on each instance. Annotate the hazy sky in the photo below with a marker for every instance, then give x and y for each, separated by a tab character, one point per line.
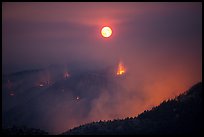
160	44
39	34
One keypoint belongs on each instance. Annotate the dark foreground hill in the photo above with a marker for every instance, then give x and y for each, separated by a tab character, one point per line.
23	131
181	115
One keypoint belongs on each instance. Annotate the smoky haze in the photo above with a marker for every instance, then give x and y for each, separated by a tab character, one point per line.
160	45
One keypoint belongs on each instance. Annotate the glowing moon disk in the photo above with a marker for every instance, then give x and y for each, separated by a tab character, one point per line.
106	32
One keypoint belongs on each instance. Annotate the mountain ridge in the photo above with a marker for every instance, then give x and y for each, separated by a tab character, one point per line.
182	115
170	117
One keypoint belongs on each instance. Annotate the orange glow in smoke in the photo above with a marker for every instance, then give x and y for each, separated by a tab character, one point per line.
121	69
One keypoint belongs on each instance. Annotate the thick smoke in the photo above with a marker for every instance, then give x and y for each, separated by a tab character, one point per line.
161	49
102	95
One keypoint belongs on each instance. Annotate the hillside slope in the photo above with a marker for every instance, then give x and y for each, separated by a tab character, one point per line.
181	115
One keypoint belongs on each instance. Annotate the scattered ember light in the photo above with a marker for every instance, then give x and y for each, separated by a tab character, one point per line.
11	94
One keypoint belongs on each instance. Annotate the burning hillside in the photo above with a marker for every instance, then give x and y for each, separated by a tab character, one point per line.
121	69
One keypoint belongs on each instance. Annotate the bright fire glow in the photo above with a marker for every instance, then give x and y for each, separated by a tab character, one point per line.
11	94
106	32
121	69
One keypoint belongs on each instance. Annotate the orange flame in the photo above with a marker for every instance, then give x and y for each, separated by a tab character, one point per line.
121	69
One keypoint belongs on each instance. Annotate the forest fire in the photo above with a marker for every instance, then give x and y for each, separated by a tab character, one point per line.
44	83
11	94
41	85
121	69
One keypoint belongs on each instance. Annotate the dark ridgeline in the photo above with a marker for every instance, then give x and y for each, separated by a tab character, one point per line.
23	131
181	115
